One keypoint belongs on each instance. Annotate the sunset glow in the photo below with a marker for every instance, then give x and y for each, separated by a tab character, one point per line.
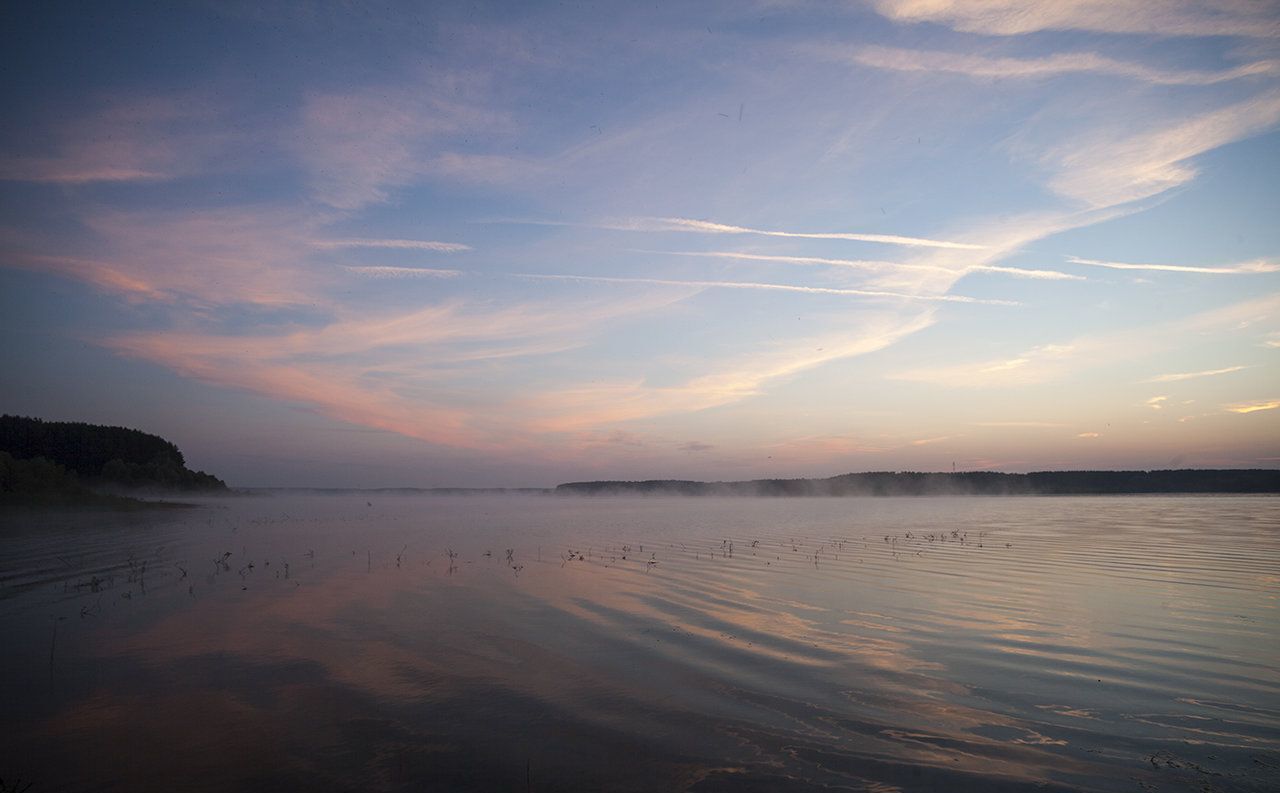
460	245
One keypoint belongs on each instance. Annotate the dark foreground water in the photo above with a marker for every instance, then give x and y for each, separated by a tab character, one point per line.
312	642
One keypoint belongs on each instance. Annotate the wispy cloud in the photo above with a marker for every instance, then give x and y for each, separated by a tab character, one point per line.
661	224
1035	365
398	373
1022	272
128	138
207	258
1167	18
71	171
878	265
254	256
359	145
416	245
1109	168
939	439
101	274
710	227
1052	361
909	60
249	254
380	271
595	404
1238	316
811	290
1244	268
1156	402
1174	378
1253	407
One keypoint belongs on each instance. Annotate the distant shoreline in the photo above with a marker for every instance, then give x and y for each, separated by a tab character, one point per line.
1241	481
977	483
398	491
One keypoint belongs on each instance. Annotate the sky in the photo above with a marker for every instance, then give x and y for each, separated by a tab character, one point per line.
515	244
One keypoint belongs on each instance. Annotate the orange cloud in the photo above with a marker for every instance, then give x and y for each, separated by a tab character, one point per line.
1253	407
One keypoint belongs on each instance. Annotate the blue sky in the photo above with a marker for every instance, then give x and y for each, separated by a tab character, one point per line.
512	244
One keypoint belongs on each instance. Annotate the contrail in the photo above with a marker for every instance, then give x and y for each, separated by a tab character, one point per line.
1256	266
866	264
812	290
650	224
708	227
416	245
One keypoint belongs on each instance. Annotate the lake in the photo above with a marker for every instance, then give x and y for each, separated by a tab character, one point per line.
367	641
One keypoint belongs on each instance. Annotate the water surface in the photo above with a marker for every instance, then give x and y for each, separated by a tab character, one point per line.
375	642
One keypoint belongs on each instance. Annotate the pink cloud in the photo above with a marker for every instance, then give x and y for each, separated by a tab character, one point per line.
358	146
126	138
400	373
247	255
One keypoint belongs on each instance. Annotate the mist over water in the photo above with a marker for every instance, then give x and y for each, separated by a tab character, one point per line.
396	642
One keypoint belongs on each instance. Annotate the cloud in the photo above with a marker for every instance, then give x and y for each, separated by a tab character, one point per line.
1053	361
709	227
1174	378
1166	18
1020	272
812	290
1109	168
1020	424
1054	65
264	255
397	373
1089	435
660	224
877	265
1155	402
128	138
102	275
73	171
1253	407
486	169
1244	268
858	264
936	270
695	447
380	271
1035	365
357	146
201	257
1238	316
927	441
443	324
417	245
601	403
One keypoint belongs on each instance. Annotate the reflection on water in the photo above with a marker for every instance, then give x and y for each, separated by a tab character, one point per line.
298	642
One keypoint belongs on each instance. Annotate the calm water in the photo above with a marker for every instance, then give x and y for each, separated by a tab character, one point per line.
1121	643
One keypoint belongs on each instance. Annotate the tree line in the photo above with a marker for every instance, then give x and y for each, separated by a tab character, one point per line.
53	455
918	483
